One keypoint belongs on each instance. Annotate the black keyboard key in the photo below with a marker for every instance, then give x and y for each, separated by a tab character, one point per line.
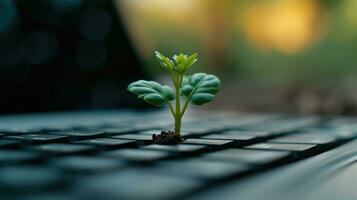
108	143
246	156
140	138
210	142
79	134
296	149
252	133
135	184
84	165
339	133
305	139
283	125
271	130
201	169
9	143
177	149
17	156
137	155
154	124
194	131
117	130
63	148
150	132
239	139
20	131
38	138
224	136
244	120
28	178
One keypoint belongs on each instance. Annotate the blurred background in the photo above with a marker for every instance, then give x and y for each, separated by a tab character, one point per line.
271	55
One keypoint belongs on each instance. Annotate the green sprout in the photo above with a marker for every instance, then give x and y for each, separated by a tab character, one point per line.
197	89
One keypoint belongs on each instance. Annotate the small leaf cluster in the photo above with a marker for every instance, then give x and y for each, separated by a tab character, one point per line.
199	88
180	63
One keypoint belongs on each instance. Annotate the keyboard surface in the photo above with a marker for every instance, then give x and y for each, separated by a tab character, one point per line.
110	155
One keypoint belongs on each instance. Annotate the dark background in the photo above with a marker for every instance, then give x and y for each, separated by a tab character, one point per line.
64	55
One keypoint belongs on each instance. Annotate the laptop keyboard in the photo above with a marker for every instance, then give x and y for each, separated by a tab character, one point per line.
119	161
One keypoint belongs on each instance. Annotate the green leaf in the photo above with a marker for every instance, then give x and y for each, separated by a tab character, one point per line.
183	62
190	61
180	62
164	61
200	88
180	58
152	92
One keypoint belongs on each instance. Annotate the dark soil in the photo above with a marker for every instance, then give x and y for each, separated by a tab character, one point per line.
167	137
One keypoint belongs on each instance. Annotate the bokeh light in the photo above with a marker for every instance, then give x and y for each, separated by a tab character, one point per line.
286	25
278	49
8	16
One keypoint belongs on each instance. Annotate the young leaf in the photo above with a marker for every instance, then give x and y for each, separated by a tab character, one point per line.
200	88
190	61
164	61
180	62
183	62
152	92
180	58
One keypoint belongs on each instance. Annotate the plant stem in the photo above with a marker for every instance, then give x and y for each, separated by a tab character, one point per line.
174	79
171	109
185	107
178	116
178	125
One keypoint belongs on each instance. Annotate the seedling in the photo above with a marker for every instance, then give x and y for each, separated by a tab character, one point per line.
197	89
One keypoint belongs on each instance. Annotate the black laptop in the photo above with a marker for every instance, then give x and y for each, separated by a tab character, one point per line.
70	130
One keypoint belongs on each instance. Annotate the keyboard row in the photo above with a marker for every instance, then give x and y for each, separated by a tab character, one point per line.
70	164
82	141
209	160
